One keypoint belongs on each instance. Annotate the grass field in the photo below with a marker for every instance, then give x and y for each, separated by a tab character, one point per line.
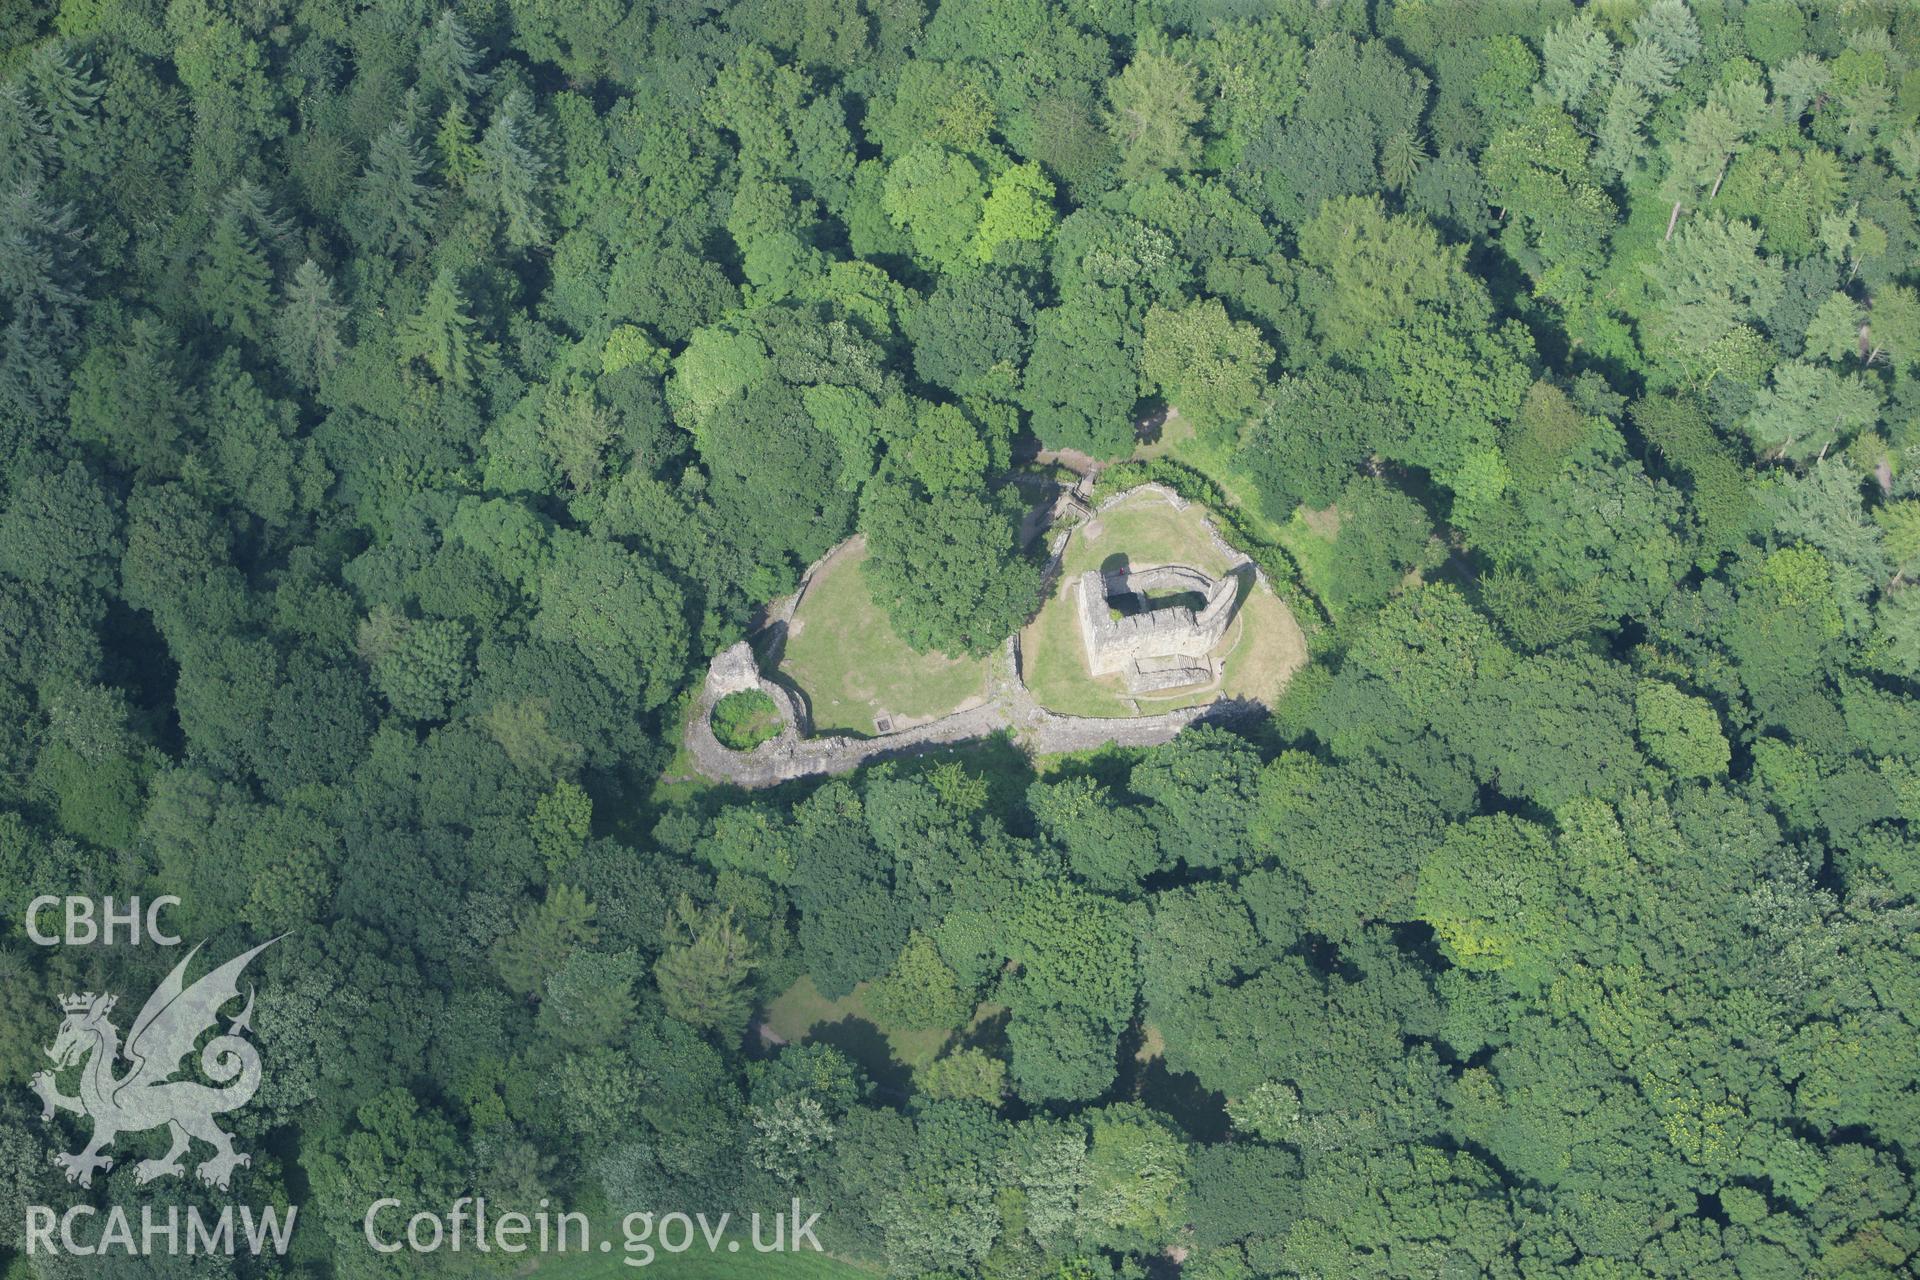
1179	442
843	654
1262	648
1307	538
888	1054
698	1264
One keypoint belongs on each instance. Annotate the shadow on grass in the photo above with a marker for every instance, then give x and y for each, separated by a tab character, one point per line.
864	1044
1200	1111
989	1035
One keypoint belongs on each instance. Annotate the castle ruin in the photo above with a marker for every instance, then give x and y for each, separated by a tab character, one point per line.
1168	647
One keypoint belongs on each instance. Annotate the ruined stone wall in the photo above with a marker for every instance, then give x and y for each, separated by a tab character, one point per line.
1009	708
1219	607
1176	631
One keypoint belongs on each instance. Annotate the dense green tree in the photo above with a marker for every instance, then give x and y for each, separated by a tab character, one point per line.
449	58
392	209
947	568
703	973
1679	731
1377	269
1711	278
398	409
1383	537
1356	97
542	937
618	610
972	334
57	529
440	333
1152	110
1108	844
127	400
1539	170
1311	439
1209	367
1079	383
257	460
1202	790
1135	1168
1553	727
962	1075
1018	207
1074	991
1809	410
937	197
922	991
1488	893
397	1149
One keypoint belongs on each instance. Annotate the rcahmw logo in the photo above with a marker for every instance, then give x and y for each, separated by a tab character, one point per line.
147	1095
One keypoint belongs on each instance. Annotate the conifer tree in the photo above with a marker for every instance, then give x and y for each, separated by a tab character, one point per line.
32	380
61	88
391	210
127	399
235	281
449	59
705	969
41	273
509	172
440	334
26	139
459	157
40	264
307	330
248	203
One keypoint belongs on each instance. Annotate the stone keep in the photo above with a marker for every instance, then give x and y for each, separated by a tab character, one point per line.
1161	648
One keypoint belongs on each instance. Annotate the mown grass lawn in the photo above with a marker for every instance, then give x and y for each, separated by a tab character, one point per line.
698	1264
1308	546
843	654
889	1055
1262	648
1179	441
1309	538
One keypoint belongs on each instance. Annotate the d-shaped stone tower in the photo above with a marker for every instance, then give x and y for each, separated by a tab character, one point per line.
1155	648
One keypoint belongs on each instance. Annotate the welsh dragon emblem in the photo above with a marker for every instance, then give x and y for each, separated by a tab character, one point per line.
147	1096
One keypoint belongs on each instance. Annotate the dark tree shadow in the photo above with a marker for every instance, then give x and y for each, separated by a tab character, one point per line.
1150	421
1160	1267
770	645
1231	713
996	757
863	1043
989	1035
1110	765
1201	1111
